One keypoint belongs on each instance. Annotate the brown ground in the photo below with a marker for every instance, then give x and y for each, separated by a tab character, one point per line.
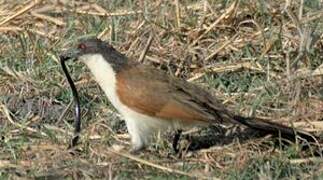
260	58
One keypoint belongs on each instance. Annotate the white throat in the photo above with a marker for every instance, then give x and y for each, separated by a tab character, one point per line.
104	75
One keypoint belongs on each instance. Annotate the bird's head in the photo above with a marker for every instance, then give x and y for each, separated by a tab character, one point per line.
93	49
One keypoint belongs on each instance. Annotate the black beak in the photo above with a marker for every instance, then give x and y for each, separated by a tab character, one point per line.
70	54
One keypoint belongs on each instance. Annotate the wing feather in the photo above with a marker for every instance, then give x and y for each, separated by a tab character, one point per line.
154	93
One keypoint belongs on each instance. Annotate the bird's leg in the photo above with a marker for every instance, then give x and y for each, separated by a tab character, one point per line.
176	139
136	148
138	141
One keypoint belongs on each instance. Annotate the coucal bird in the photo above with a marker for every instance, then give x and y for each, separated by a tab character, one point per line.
151	100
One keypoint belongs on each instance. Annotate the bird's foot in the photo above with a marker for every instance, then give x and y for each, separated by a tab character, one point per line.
135	149
176	139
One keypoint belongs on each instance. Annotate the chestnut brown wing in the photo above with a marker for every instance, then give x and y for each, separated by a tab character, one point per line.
152	92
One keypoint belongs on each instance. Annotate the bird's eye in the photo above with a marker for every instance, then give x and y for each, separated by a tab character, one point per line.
82	46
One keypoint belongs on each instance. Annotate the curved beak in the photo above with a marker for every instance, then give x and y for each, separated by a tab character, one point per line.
69	54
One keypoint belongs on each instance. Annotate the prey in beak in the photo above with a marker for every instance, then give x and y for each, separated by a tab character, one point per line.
68	55
83	48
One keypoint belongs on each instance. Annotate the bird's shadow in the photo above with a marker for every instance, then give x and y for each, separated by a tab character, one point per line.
219	136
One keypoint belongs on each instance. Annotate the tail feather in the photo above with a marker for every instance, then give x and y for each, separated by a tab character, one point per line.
274	128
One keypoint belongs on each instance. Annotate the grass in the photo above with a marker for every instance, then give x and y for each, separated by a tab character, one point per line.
259	58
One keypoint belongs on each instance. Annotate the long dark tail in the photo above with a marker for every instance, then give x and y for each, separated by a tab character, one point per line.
274	128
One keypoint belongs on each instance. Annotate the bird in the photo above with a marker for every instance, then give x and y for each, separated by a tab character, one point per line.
150	100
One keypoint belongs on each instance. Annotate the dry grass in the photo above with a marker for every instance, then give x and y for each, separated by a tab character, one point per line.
260	58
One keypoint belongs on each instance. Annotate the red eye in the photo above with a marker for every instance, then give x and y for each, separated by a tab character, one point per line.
82	46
